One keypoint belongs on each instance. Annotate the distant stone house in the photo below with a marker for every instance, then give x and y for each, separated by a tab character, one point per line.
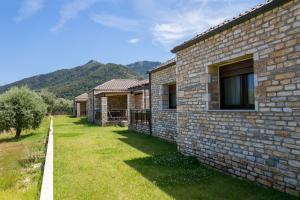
139	107
237	96
110	102
80	105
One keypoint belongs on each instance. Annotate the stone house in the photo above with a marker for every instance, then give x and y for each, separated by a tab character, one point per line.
109	102
80	106
139	106
163	100
237	96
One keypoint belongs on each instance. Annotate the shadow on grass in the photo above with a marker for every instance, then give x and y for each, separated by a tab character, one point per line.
84	122
13	139
146	143
183	177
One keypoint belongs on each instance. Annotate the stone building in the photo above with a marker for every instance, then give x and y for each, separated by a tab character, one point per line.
139	106
80	106
238	96
163	100
110	102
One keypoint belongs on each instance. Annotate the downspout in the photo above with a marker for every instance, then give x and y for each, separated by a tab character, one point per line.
93	105
74	108
150	104
144	98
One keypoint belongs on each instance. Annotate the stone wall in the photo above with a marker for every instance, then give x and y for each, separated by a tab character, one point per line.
262	145
164	120
141	128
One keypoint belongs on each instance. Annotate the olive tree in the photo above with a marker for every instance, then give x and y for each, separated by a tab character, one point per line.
49	99
62	106
20	109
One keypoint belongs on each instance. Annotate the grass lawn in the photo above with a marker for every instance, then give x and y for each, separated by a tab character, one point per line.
21	162
92	162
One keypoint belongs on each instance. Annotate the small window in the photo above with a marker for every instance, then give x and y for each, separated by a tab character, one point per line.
172	96
237	85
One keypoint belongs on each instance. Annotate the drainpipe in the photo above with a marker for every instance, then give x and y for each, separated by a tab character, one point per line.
150	103
74	108
93	106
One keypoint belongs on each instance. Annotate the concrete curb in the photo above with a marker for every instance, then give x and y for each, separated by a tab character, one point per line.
47	185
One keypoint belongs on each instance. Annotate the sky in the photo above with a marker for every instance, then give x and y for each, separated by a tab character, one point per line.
41	36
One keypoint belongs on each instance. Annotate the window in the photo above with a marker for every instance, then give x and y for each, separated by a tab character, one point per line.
172	96
237	85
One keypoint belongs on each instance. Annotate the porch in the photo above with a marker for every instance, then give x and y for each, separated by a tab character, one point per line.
80	106
111	108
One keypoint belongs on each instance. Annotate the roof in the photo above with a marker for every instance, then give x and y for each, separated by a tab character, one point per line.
259	9
140	84
164	65
82	97
116	85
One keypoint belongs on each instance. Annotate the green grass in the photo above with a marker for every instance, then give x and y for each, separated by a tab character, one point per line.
21	163
94	162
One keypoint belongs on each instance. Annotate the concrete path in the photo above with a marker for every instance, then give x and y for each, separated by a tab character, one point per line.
47	185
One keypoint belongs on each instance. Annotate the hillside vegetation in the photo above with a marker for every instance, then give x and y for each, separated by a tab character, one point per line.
142	67
68	83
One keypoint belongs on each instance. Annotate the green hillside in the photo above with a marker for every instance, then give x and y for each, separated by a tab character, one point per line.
68	83
142	67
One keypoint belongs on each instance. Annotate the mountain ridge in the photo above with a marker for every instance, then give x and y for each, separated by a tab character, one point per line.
71	82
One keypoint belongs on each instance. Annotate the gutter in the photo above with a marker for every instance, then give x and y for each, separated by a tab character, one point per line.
163	66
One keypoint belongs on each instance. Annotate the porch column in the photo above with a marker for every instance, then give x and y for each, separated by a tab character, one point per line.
130	105
74	108
104	119
143	99
77	109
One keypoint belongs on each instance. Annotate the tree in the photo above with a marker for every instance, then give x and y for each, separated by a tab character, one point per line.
49	99
20	109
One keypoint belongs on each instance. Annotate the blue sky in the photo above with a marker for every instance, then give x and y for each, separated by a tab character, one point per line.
41	36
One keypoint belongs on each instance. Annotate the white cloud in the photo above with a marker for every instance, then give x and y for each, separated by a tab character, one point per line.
28	8
184	25
173	21
71	10
134	40
111	21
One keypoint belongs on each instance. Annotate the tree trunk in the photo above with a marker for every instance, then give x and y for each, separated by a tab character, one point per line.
18	133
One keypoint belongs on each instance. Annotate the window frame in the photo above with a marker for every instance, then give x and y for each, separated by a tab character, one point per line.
242	69
170	96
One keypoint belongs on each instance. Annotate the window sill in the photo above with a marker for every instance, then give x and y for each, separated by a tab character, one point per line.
237	110
168	109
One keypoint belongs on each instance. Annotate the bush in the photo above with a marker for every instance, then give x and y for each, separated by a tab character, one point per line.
21	108
62	106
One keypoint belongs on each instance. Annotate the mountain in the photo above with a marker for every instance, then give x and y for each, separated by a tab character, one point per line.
142	67
68	83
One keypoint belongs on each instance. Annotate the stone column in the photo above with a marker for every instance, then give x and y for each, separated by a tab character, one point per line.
104	118
74	108
130	105
78	109
143	100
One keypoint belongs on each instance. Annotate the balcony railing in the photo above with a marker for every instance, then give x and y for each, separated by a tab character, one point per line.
117	115
140	117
